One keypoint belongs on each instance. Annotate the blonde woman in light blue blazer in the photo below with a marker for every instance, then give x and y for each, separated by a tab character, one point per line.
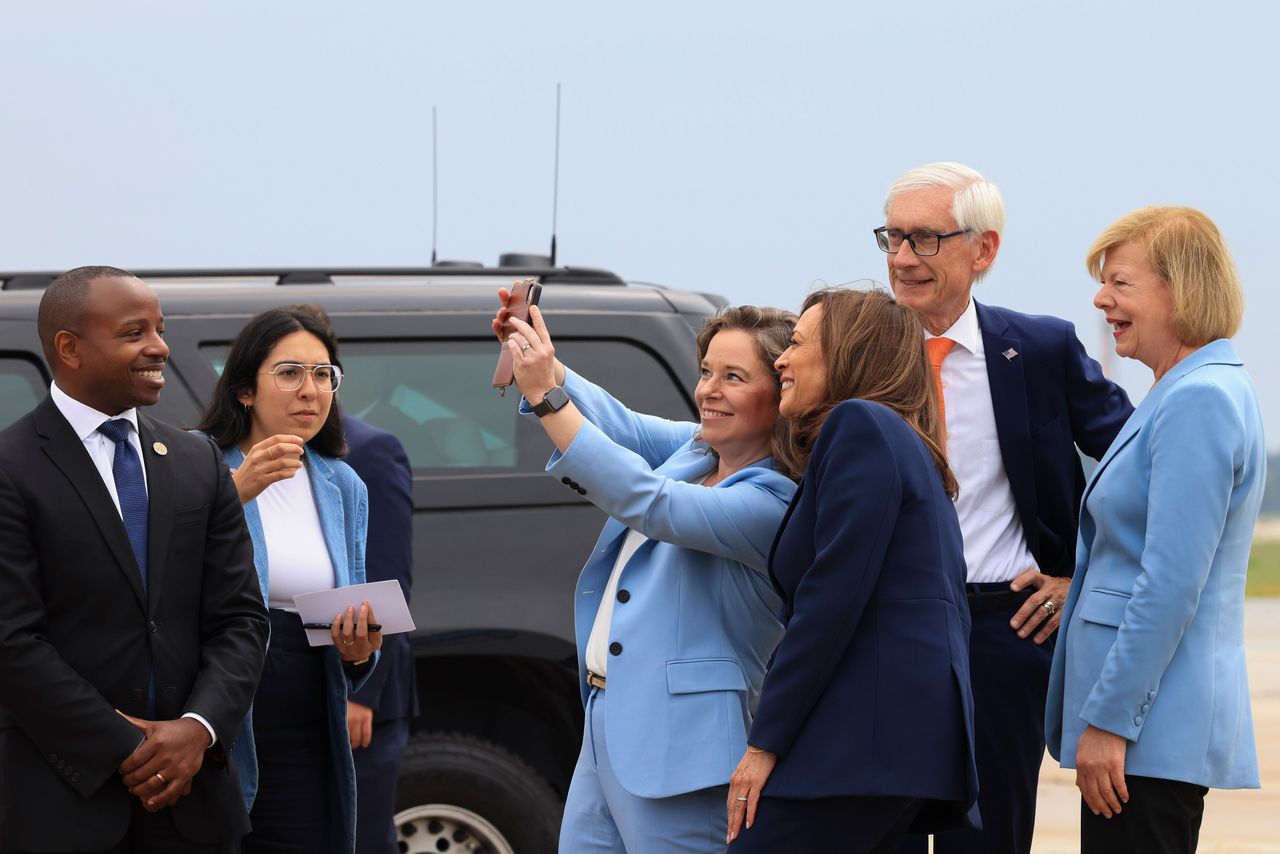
1148	696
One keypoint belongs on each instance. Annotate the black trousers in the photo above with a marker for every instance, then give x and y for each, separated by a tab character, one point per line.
1010	678
155	832
1162	817
291	732
850	825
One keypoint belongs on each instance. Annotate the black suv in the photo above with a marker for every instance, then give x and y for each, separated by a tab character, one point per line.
497	543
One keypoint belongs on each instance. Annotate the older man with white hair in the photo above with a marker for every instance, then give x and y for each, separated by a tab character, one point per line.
1019	396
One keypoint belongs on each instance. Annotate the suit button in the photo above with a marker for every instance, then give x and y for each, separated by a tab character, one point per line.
566	481
61	764
615	648
151	626
75	778
1146	707
581	491
67	772
1151	695
1137	721
624	596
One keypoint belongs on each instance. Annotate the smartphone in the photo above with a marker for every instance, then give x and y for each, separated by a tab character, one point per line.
524	293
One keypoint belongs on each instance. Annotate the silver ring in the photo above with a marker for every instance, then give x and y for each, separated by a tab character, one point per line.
159	777
741	798
1049	606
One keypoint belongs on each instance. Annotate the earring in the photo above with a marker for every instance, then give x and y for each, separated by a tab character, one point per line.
247	407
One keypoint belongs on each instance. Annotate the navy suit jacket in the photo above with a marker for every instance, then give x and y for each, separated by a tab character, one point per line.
868	693
1049	398
380	461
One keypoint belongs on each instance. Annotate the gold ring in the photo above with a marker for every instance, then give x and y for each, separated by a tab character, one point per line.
346	642
526	348
1049	606
160	777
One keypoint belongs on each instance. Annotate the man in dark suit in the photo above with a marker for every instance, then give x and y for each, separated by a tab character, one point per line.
378	715
132	630
1019	395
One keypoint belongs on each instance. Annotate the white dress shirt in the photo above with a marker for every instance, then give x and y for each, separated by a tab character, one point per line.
85	420
995	547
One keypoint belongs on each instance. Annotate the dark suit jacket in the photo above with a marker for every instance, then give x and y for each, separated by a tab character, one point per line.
379	459
1049	397
868	693
79	639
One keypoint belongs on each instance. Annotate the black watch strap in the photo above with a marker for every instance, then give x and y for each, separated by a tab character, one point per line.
552	401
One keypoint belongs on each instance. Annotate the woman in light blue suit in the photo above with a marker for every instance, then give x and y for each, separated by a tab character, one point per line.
1148	697
274	415
674	611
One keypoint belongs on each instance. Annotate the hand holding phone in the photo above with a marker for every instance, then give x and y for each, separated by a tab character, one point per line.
524	293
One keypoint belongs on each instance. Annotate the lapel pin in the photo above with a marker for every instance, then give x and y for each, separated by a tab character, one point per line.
159	448
1009	354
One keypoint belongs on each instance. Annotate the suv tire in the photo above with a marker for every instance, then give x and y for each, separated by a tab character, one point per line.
471	795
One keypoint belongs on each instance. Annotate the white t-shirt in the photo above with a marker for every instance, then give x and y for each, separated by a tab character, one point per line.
297	559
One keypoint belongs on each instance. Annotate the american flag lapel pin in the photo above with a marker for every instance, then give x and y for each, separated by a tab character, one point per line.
1009	354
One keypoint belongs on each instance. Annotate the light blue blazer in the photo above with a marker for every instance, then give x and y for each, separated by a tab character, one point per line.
1152	639
699	620
343	504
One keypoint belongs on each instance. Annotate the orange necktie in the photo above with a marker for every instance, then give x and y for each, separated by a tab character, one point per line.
938	349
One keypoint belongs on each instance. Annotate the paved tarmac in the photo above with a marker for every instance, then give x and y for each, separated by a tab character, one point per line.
1245	821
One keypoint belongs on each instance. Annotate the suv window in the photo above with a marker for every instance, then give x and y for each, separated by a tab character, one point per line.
22	386
434	395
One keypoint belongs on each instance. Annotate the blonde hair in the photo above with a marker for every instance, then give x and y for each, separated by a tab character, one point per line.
1186	250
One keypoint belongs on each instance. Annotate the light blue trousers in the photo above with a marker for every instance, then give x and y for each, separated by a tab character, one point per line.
601	816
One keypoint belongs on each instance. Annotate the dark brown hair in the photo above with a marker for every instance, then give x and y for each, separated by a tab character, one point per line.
226	420
874	350
770	330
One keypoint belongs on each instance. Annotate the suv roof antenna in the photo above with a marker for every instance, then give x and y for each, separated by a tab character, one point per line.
555	181
434	187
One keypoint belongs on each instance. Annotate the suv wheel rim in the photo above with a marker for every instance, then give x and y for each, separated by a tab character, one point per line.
447	828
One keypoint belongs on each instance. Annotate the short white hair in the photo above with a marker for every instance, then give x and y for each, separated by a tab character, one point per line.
976	206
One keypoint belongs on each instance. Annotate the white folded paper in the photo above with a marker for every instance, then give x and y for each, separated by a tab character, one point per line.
390	610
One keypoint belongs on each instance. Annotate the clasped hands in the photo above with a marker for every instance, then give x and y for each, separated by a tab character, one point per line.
159	770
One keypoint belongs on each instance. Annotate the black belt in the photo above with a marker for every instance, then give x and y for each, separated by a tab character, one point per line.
995	596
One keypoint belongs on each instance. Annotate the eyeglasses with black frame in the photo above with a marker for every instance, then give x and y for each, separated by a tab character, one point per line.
923	243
289	376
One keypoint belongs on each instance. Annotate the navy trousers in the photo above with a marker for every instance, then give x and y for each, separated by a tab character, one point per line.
849	825
377	767
1010	678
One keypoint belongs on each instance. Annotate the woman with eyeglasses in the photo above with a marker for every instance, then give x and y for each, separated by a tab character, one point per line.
275	416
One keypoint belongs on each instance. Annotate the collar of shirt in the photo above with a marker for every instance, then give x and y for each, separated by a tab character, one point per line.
84	419
964	331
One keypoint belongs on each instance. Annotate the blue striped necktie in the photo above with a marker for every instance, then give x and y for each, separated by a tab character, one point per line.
131	489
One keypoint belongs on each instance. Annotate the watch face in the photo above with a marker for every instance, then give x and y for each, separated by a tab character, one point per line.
553	401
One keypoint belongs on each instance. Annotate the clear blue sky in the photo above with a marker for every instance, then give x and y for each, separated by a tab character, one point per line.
742	148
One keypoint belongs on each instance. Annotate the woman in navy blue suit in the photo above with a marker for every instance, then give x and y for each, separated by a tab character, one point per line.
864	729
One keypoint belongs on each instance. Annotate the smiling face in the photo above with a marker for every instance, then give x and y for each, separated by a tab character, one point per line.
301	412
1139	307
116	358
936	287
803	370
737	397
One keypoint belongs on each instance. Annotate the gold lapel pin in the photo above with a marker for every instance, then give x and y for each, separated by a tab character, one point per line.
160	448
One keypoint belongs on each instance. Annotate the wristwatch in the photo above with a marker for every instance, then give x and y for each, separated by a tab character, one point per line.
552	401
